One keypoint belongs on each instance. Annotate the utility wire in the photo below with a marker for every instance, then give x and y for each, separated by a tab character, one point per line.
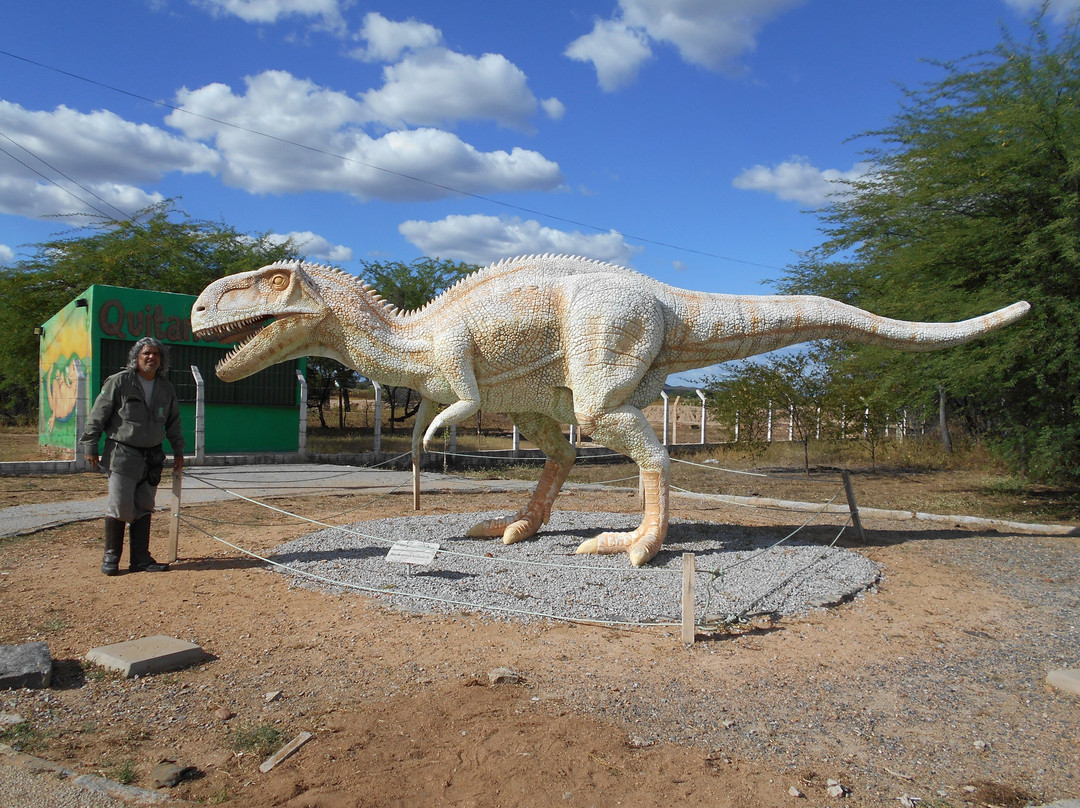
51	181
401	175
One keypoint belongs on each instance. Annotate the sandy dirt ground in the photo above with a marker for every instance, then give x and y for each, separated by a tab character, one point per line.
931	688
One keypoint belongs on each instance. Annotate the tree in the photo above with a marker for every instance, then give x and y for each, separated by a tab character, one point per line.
158	249
793	382
974	202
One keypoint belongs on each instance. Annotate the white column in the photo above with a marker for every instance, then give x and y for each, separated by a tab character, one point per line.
301	439
377	443
200	415
663	438
701	395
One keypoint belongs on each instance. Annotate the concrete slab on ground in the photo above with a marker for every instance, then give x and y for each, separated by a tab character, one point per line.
1067	680
148	655
26	665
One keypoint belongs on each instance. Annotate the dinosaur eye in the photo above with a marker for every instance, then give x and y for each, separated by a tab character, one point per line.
279	281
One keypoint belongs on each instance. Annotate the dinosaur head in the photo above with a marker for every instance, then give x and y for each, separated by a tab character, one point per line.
272	313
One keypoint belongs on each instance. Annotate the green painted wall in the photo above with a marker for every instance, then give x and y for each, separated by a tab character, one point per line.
258	414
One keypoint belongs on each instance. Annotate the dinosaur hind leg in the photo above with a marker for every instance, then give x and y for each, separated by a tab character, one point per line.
546	434
626	430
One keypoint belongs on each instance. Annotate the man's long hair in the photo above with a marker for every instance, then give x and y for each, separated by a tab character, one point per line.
163	350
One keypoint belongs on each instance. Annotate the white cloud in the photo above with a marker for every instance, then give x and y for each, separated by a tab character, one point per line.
327	13
292	110
387	40
102	152
706	33
1060	10
426	84
483	240
439	86
7	255
315	246
796	180
616	51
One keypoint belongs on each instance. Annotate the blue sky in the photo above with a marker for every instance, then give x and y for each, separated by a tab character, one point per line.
689	139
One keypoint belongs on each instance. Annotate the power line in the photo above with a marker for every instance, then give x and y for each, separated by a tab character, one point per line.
73	181
391	172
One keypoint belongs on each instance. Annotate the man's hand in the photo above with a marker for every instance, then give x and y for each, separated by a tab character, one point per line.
94	462
178	463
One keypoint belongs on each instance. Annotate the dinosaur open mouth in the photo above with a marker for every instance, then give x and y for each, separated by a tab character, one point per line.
239	333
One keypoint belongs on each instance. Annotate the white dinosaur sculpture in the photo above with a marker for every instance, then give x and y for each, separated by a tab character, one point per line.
547	340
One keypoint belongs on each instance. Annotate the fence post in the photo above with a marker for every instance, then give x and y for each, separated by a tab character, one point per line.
701	395
855	520
377	444
174	524
301	440
688	570
768	432
80	413
515	440
664	395
200	416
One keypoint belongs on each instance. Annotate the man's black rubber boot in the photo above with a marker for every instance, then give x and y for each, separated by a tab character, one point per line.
141	560
114	546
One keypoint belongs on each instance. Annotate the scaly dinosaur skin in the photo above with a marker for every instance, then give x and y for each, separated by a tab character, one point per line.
547	340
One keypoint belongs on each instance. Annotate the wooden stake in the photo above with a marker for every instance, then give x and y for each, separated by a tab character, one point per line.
855	520
688	569
174	525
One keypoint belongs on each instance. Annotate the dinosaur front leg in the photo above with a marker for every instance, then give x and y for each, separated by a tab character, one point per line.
626	430
548	436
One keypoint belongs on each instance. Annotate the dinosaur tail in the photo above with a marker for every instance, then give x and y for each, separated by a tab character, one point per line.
725	327
841	321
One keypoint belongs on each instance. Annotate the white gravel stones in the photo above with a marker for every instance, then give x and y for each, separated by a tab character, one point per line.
541	577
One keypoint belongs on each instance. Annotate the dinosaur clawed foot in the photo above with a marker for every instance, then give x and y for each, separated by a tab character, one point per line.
641	545
512	529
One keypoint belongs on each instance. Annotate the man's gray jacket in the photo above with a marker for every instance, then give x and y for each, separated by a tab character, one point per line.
123	414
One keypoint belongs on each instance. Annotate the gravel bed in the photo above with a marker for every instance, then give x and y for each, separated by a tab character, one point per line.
541	577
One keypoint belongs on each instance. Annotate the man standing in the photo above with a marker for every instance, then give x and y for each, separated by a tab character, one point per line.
136	410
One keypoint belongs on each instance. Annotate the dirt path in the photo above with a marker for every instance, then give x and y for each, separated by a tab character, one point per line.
933	686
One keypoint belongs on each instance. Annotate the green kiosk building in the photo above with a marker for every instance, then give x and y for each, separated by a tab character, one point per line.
95	331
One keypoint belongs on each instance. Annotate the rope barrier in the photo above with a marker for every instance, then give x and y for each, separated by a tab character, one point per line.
714	576
421	596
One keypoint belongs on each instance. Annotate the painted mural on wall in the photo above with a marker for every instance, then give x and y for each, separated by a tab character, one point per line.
65	347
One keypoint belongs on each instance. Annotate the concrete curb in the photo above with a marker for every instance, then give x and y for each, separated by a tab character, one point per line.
90	782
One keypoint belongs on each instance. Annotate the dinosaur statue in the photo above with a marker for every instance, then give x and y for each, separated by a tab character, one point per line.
547	340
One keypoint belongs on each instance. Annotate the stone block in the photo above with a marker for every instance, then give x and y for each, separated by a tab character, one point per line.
27	665
148	655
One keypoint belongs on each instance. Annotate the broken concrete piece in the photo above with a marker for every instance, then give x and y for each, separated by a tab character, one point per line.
148	655
26	665
284	752
503	676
